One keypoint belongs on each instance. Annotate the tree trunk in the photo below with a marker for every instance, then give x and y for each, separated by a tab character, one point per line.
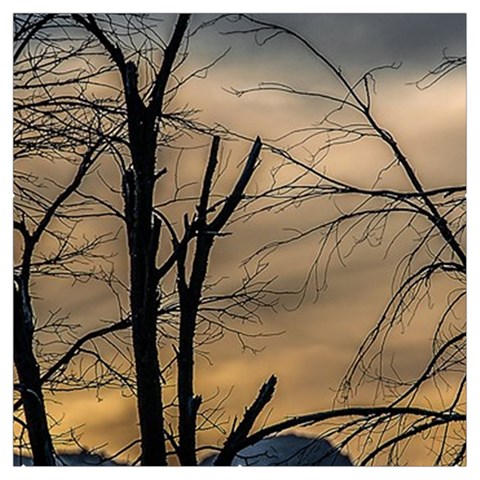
143	237
190	294
29	378
143	229
188	403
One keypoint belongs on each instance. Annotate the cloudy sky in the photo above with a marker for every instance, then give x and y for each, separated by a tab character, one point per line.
321	335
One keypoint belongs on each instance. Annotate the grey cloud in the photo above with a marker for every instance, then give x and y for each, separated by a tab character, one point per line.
371	39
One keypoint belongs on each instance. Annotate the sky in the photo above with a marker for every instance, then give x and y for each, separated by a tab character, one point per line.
354	39
311	344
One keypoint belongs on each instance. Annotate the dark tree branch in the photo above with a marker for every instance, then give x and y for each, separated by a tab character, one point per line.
74	350
238	437
32	29
33	238
114	51
189	295
155	106
367	412
237	194
410	432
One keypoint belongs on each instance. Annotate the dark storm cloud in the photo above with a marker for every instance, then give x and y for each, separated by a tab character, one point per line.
368	40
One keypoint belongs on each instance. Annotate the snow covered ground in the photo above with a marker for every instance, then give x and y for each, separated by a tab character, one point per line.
288	450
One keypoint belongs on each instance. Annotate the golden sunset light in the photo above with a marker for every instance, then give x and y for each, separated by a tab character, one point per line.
239	239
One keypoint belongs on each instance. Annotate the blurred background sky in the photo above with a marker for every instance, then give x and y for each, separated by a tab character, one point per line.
320	336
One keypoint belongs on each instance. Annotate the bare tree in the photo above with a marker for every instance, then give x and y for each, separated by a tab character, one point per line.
143	228
431	221
98	90
34	224
63	120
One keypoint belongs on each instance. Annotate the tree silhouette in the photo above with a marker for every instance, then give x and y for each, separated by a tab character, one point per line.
100	135
33	225
127	128
430	221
